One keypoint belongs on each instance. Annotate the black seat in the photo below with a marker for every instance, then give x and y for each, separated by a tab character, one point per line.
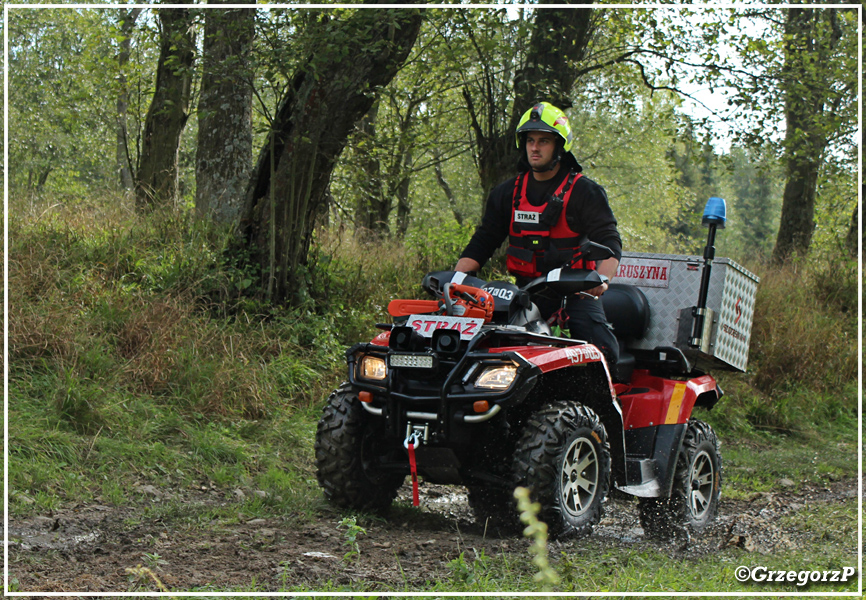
628	311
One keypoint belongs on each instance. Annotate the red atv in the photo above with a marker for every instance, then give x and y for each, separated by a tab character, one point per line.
472	388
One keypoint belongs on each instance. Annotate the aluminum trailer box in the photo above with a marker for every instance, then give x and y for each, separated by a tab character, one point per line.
671	284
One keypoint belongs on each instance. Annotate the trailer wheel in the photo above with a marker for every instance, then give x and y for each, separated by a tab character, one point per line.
349	448
694	500
563	457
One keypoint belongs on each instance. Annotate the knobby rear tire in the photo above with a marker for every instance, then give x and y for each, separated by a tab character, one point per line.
694	500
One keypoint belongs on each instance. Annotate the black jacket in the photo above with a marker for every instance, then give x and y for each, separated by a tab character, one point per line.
588	212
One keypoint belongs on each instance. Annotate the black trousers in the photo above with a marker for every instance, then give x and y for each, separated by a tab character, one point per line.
586	321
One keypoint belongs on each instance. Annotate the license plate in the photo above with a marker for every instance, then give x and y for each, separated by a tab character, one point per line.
425	325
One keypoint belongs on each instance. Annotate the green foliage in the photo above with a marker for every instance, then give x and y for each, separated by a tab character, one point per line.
354	282
470	574
753	189
350	537
77	402
836	201
438	247
654	162
536	531
56	58
64	79
625	146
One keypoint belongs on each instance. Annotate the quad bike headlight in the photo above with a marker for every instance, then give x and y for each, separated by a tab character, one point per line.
499	377
373	367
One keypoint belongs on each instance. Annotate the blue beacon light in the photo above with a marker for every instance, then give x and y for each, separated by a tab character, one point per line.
714	213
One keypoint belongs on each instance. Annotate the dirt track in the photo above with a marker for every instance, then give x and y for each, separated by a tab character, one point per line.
89	548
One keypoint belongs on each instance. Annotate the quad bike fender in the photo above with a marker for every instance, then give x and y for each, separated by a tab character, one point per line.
551	359
579	373
382	339
649	401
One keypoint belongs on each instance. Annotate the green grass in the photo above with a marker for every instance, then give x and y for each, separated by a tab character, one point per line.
52	463
757	458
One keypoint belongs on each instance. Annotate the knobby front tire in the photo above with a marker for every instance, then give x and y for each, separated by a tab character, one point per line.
349	445
563	457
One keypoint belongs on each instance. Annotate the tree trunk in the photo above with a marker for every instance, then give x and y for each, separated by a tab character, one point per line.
225	130
385	186
807	43
400	172
156	179
798	209
373	208
446	189
401	193
559	43
352	57
560	39
124	162
852	240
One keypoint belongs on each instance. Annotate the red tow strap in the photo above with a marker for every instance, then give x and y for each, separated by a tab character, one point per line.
413	467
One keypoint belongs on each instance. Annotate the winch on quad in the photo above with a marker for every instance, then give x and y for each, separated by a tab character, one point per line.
472	388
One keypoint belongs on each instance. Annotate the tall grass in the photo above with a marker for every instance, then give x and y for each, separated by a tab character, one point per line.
355	279
805	331
126	303
803	352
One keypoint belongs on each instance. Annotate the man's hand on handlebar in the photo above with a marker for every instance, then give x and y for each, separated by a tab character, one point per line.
595	292
607	269
467	265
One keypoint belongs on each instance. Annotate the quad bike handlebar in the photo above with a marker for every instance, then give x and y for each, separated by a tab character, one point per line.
464	295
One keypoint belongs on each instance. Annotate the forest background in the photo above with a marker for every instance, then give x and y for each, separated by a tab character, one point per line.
206	205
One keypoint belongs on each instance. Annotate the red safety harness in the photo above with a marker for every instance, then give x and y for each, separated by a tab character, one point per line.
540	238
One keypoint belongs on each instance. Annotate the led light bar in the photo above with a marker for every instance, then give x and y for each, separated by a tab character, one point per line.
411	361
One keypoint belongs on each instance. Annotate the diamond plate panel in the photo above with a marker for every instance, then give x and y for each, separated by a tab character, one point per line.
734	326
671	283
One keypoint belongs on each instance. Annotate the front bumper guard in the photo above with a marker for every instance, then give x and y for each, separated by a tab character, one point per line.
428	416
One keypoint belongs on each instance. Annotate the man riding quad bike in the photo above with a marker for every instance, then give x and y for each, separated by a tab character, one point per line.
472	388
546	213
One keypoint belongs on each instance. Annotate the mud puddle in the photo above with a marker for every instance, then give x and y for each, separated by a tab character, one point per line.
90	548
